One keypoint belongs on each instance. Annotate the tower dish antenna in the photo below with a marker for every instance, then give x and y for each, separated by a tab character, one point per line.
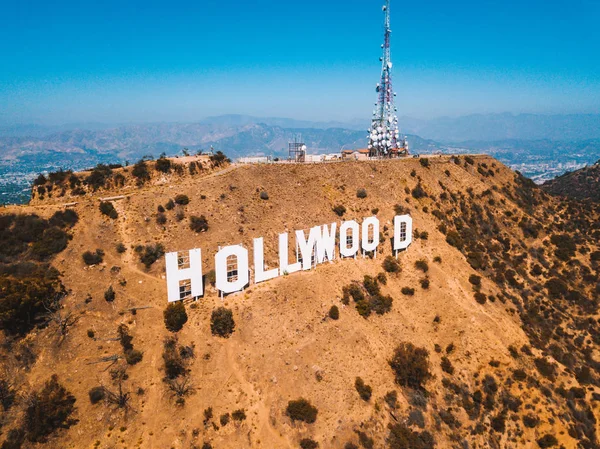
385	140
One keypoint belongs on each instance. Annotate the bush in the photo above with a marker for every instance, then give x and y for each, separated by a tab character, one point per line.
370	284
424	162
546	368
475	280
48	410
410	365
239	415
469	160
481	298
363	307
175	316
97	394
108	209
364	391
94	258
402	437
52	241
170	205
339	210
151	254
334	313
424	284
64	219
133	357
182	200
380	304
418	192
140	171
224	419
264	195
98	177
307	443
547	441
175	364
301	410
198	224
408	291
163	165
353	291
221	322
447	365
391	265
556	288
40	180
361	193
120	248
161	218
219	159
422	265
109	295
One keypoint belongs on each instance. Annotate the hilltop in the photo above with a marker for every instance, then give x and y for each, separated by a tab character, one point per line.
583	184
490	340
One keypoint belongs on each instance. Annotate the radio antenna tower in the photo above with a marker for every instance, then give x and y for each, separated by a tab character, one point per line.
384	135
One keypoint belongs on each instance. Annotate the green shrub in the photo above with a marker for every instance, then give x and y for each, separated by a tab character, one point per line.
307	443
120	248
109	295
547	441
98	177
151	254
447	365
380	304
402	437
97	394
469	160
364	391
239	415
353	291
199	224
264	195
410	365
175	364
140	171
22	302
424	284
219	159
170	205
365	440
424	162
339	210
133	357
52	241
422	265
175	316
363	307
64	219
224	419
40	180
161	219
556	288
221	322
48	410
546	368
418	192
408	291
454	239
475	280
371	285
334	313
182	200
301	410
107	208
361	193
93	258
391	265
481	298
163	164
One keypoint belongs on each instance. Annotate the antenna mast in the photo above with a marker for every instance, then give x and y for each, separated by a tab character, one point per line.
384	135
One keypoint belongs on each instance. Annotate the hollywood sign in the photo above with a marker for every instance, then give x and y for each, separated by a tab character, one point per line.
232	263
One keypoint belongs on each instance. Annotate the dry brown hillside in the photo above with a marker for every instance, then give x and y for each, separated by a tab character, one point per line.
493	329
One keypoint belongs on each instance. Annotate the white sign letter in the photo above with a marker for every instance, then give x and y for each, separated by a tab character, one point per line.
308	247
175	274
240	269
326	243
402	232
368	246
345	250
260	275
284	266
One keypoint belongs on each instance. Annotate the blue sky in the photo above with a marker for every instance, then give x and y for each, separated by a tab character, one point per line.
109	61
